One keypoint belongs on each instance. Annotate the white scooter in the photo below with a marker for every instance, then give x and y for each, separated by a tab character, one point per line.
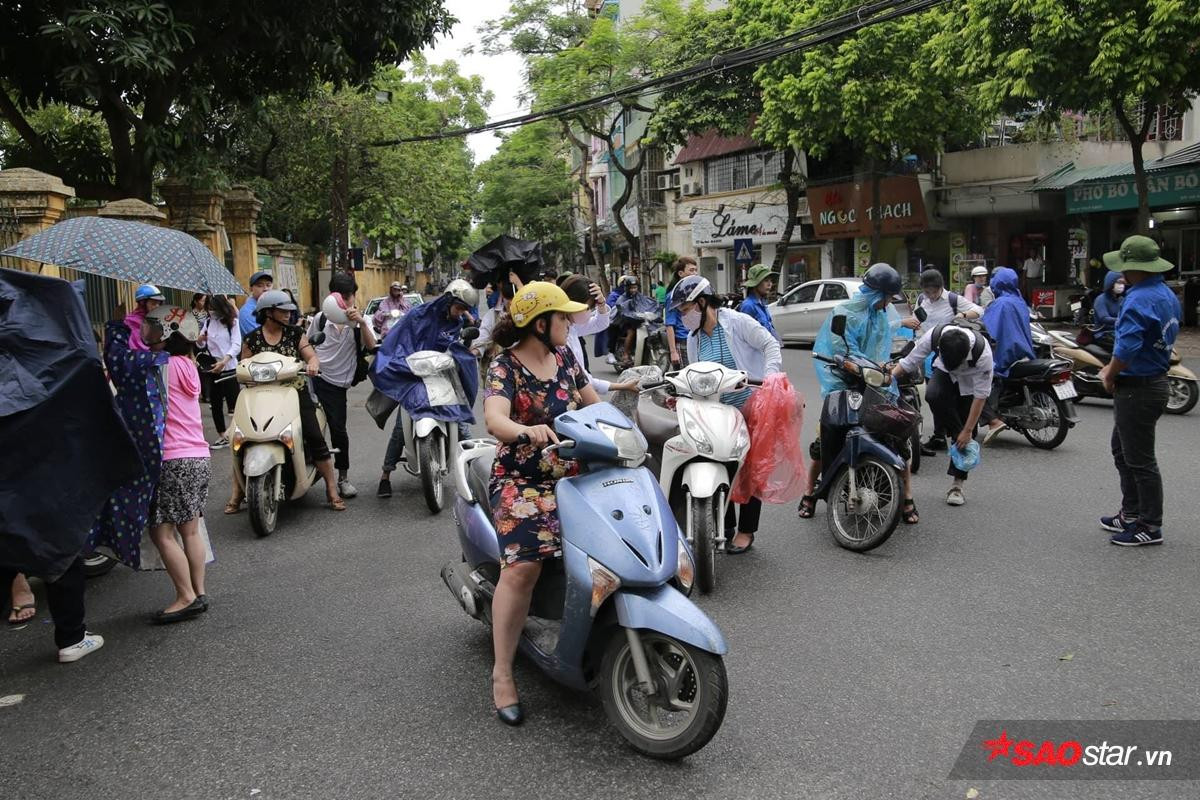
267	438
649	344
429	442
699	447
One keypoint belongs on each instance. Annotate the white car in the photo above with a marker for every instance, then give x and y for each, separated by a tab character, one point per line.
413	299
799	313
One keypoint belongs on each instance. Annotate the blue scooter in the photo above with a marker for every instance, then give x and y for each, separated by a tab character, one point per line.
612	613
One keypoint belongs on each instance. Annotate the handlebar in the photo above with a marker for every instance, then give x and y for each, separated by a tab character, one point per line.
826	359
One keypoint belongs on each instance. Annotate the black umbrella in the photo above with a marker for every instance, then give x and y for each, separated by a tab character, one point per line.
492	262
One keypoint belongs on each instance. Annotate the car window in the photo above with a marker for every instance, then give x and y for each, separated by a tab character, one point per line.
834	291
373	306
805	294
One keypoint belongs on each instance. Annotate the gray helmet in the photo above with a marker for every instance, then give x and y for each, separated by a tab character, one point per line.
275	298
463	292
883	278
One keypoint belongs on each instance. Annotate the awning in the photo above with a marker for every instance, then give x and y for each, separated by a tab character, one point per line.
1069	175
711	144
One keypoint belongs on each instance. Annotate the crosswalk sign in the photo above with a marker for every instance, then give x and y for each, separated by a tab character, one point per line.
743	251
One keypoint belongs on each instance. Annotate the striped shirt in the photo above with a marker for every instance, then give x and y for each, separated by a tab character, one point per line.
716	348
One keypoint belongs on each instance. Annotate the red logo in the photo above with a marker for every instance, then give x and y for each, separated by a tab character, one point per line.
833	198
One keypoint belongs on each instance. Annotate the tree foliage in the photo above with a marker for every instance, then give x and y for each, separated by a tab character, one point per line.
1126	56
162	76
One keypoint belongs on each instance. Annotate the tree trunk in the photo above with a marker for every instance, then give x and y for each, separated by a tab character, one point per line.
876	216
791	187
585	155
1137	137
339	212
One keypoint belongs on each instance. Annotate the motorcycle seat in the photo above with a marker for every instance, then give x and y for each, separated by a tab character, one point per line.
479	474
1099	352
657	424
1030	369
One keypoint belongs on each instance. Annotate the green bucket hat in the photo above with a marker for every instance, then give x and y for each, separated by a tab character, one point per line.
1137	253
757	274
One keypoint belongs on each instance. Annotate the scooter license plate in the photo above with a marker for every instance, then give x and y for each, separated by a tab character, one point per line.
1065	390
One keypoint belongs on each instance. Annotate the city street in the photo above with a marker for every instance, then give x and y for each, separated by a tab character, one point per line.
334	662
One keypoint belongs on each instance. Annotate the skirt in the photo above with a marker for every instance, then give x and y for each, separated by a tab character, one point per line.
182	491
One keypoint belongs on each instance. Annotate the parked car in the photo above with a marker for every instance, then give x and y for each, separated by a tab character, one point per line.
413	299
801	311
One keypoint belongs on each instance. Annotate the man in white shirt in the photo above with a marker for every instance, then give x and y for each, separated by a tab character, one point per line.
1034	270
958	389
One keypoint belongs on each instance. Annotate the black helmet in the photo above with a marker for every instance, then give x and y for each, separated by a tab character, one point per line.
931	277
954	346
883	278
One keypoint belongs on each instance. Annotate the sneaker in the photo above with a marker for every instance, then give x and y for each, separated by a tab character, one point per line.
219	444
1118	523
610	359
934	443
954	497
346	489
385	488
90	643
1137	535
992	433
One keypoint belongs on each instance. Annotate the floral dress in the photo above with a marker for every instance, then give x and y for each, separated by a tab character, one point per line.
522	484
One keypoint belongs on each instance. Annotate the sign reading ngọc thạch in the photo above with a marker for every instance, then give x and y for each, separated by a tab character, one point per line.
844	210
1168	188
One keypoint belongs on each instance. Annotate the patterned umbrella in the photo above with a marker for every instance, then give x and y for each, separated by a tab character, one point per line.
129	251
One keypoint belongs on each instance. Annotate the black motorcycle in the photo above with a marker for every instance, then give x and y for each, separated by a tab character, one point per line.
910	394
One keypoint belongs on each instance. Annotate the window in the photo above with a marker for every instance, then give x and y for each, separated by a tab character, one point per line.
805	294
743	170
834	291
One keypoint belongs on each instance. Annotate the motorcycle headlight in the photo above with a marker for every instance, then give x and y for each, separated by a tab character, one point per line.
604	583
686	571
631	449
704	384
695	432
873	377
265	372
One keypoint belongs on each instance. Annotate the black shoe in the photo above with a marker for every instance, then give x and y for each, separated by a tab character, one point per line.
928	451
385	488
934	443
202	599
737	551
511	715
167	617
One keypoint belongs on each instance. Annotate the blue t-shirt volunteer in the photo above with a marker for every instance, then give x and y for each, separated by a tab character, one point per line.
1147	327
755	307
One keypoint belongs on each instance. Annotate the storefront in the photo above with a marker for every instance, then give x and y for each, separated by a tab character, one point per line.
730	238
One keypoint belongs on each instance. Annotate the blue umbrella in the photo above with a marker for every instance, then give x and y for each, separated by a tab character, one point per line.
129	251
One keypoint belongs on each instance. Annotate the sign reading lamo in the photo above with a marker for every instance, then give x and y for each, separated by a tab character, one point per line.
843	210
719	229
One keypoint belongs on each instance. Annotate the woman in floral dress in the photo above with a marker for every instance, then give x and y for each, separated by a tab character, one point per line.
527	386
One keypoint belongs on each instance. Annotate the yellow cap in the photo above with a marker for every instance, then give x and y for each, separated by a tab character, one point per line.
536	298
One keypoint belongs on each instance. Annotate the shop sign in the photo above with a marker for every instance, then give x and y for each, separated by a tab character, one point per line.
844	210
1169	188
1043	297
763	225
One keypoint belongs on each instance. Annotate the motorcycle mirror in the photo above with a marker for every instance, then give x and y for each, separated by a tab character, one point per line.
838	325
921	314
469	335
317	338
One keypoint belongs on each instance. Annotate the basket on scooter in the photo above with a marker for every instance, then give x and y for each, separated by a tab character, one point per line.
882	414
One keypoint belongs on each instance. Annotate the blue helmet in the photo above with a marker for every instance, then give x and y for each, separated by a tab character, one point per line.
148	291
688	289
883	278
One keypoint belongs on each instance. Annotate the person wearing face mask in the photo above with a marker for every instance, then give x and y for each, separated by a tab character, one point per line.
1007	322
759	283
979	281
1107	307
737	341
529	384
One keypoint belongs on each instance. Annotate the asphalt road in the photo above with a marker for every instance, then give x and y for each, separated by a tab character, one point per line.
334	663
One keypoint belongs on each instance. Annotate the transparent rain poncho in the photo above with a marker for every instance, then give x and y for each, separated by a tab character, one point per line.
869	334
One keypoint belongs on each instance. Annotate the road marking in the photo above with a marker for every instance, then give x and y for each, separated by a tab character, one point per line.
11	699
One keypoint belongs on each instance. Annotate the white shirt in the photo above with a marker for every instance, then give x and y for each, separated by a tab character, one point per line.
337	353
595	324
1033	268
973	381
754	348
940	311
486	325
224	341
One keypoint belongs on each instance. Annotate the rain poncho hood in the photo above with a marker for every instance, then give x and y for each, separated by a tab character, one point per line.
426	327
1107	306
869	334
1007	321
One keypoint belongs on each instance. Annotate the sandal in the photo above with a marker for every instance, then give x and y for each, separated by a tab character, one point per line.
233	507
336	504
808	507
18	609
908	512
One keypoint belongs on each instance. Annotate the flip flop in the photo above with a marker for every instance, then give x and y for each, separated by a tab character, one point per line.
18	610
808	507
909	513
232	507
336	505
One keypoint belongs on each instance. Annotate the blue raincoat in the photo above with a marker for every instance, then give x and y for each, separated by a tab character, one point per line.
1007	320
869	334
426	327
1107	306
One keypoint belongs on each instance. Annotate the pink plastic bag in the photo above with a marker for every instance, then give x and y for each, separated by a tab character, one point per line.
774	470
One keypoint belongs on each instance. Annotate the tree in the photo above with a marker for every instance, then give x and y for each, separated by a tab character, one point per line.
885	89
1128	56
525	189
162	75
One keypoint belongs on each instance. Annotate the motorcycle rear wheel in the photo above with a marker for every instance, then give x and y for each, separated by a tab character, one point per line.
1183	395
263	503
429	462
688	706
1055	434
704	541
97	564
863	532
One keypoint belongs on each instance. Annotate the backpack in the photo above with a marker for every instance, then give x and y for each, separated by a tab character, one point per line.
951	296
975	326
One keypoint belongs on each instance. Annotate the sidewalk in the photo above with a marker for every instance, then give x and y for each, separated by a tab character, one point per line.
1188	343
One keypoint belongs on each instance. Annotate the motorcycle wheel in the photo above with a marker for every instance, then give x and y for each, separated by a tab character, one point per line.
704	541
1183	395
863	532
1055	433
429	461
687	708
263	503
97	564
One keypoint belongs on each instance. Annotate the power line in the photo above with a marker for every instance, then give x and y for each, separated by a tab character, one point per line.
819	33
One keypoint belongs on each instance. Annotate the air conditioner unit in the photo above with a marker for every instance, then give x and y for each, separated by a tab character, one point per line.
664	182
693	188
674	180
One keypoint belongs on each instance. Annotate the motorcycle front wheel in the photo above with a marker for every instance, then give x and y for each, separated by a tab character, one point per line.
880	494
687	706
429	460
1183	395
1055	432
97	564
263	503
704	541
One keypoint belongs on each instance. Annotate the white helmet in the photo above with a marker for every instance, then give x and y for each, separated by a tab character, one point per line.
463	292
174	319
979	272
334	309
